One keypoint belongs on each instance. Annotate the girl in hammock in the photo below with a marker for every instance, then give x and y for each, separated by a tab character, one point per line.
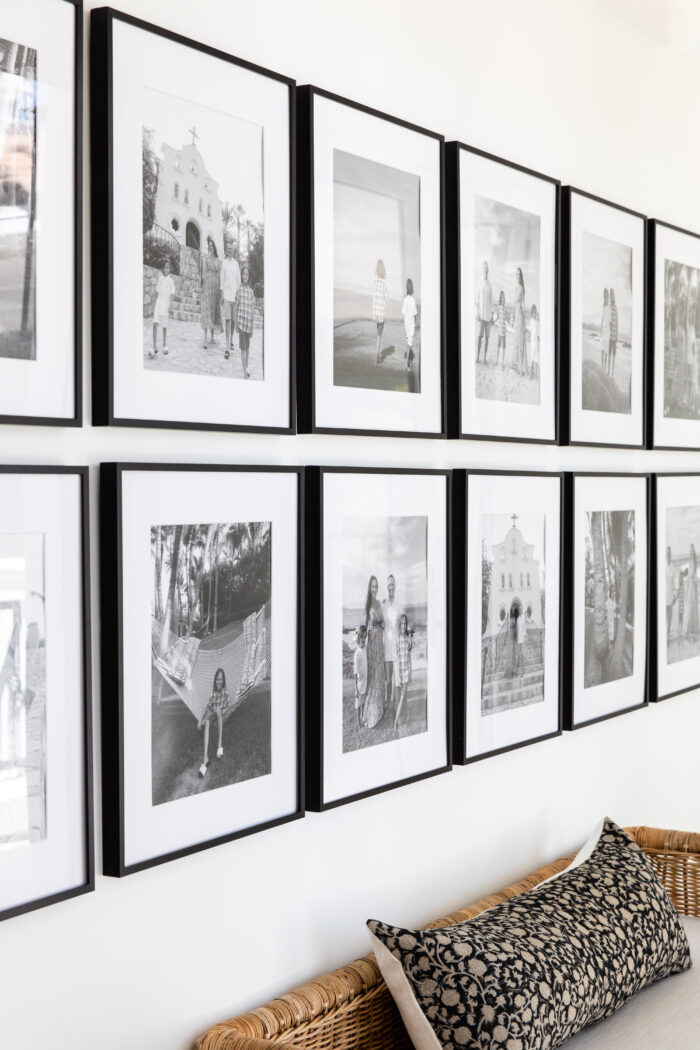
217	706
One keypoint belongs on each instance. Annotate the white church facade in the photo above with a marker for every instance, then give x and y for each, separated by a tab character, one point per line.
187	199
516	587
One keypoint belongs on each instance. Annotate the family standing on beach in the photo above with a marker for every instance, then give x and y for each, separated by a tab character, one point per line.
524	359
409	312
608	332
225	294
382	661
682	591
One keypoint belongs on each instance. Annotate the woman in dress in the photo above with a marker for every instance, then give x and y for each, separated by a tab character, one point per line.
693	628
605	331
210	317
519	351
376	680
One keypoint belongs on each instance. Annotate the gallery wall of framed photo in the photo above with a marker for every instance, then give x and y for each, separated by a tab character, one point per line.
387	408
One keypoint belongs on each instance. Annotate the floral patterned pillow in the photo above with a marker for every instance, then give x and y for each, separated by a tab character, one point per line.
534	970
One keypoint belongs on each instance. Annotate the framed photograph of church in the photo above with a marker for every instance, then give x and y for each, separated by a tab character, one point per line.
675	645
41	48
46	815
201	622
192	233
371	340
674	311
377	682
606	596
603	359
503	254
508	624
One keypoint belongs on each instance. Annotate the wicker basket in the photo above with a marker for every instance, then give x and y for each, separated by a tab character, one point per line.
351	1008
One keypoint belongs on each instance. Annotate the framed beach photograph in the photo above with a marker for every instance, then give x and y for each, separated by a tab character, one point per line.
378	704
508	627
675	643
46	815
607	596
503	249
192	223
674	311
370	289
200	669
603	362
41	212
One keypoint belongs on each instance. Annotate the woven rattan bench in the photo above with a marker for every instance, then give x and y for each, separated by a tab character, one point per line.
351	1008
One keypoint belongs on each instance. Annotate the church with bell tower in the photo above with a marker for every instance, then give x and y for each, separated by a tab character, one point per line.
516	587
187	199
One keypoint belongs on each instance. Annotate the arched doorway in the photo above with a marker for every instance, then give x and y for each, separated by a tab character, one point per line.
516	608
212	247
192	235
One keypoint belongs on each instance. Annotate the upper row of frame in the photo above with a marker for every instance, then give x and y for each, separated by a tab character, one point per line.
267	258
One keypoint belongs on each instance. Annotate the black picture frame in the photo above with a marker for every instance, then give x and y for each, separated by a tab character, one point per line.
455	430
102	20
565	323
86	669
314	640
112	612
654	363
569	598
460	613
306	271
656	614
76	419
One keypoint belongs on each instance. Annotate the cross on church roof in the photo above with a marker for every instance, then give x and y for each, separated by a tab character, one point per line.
514	518
193	133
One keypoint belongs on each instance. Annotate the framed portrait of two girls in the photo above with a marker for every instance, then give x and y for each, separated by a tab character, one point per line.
201	611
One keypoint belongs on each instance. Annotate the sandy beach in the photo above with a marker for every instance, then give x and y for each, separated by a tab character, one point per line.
355	346
601	391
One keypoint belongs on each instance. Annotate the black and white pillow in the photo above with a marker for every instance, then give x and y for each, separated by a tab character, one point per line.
534	970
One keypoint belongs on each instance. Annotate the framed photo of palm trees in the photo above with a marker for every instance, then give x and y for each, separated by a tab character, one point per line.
200	688
603	361
377	684
675	645
607	593
41	113
370	287
508	624
192	225
503	286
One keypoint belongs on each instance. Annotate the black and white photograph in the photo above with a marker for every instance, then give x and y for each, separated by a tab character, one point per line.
676	328
507	304
22	690
509	575
609	573
203	240
376	275
377	707
198	172
503	253
201	703
604	289
46	848
677	643
371	338
211	616
513	602
385	629
40	215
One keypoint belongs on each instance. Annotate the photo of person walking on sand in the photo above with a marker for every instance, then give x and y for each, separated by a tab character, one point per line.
606	325
376	275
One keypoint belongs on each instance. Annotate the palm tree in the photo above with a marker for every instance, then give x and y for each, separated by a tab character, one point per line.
239	212
600	615
620	529
174	572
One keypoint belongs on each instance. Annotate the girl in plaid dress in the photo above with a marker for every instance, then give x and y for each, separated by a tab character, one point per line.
501	318
380	297
216	707
402	668
245	309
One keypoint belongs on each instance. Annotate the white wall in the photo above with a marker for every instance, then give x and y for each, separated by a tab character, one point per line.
601	94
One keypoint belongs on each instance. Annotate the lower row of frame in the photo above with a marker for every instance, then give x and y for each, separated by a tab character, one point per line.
424	616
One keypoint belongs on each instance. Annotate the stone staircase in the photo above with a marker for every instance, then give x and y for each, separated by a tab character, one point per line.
185	308
502	690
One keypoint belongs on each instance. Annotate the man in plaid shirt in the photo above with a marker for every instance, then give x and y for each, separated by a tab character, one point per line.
245	311
380	297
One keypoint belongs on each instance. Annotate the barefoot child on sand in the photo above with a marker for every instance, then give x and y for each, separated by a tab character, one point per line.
360	673
165	289
409	311
245	312
403	664
501	319
380	297
217	706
